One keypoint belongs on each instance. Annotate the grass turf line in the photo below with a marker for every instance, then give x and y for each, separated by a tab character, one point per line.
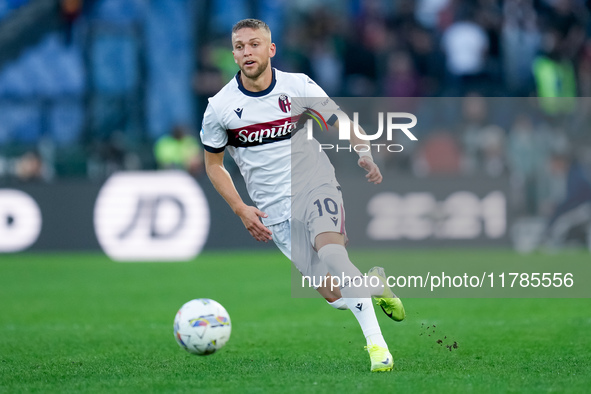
81	323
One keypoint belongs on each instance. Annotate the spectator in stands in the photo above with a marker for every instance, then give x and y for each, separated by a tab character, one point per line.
362	51
525	157
584	70
520	43
438	154
212	74
294	55
465	45
71	10
324	51
428	12
493	151
402	79
179	150
555	77
111	154
29	167
427	59
489	16
574	210
481	140
554	169
567	18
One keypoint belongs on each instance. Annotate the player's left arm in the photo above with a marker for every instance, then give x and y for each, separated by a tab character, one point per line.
325	105
365	158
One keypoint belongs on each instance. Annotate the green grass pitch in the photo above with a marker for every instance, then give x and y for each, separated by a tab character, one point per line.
81	323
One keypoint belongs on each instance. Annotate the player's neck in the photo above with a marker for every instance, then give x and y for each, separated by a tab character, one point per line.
259	84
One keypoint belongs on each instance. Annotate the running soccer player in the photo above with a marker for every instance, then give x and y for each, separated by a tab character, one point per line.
254	119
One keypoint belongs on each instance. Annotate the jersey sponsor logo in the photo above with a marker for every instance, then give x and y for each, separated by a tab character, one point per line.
262	133
284	103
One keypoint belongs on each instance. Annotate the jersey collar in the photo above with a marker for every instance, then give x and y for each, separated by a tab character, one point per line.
256	94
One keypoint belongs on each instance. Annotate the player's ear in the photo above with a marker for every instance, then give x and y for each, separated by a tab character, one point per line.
272	49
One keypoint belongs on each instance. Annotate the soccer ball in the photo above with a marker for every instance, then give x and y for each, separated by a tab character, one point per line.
202	326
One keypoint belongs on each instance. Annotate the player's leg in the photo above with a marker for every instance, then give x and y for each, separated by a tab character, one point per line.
384	297
379	290
282	238
332	252
332	294
318	220
306	259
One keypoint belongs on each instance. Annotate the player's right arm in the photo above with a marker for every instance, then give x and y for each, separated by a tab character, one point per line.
328	107
365	159
214	138
222	181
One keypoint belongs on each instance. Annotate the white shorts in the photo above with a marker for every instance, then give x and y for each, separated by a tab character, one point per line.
320	210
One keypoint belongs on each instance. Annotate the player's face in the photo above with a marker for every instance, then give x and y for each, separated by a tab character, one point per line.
252	49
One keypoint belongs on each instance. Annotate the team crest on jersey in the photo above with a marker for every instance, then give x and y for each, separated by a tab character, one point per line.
284	103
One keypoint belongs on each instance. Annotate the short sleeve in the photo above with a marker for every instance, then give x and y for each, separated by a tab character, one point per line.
318	100
213	134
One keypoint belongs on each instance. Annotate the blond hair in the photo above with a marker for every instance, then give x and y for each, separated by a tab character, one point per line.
251	23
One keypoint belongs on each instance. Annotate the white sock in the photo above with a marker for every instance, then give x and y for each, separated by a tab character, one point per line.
339	304
363	310
358	299
376	339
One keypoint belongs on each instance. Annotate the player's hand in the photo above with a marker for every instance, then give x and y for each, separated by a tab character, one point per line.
250	217
373	172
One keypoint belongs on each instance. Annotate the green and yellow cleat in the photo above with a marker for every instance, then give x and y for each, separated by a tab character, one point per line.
391	305
381	359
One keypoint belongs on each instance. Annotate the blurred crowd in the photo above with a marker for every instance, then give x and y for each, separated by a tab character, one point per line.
451	48
409	48
507	82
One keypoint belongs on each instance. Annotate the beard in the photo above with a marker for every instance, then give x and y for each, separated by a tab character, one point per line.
254	74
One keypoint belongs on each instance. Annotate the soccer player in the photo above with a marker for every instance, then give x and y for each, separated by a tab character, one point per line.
253	117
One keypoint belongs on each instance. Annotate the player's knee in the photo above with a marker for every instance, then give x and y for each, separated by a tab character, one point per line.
328	238
337	260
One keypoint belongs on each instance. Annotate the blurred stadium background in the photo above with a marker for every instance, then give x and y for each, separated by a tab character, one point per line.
90	88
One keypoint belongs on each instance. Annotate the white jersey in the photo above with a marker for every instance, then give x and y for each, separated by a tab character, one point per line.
257	128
